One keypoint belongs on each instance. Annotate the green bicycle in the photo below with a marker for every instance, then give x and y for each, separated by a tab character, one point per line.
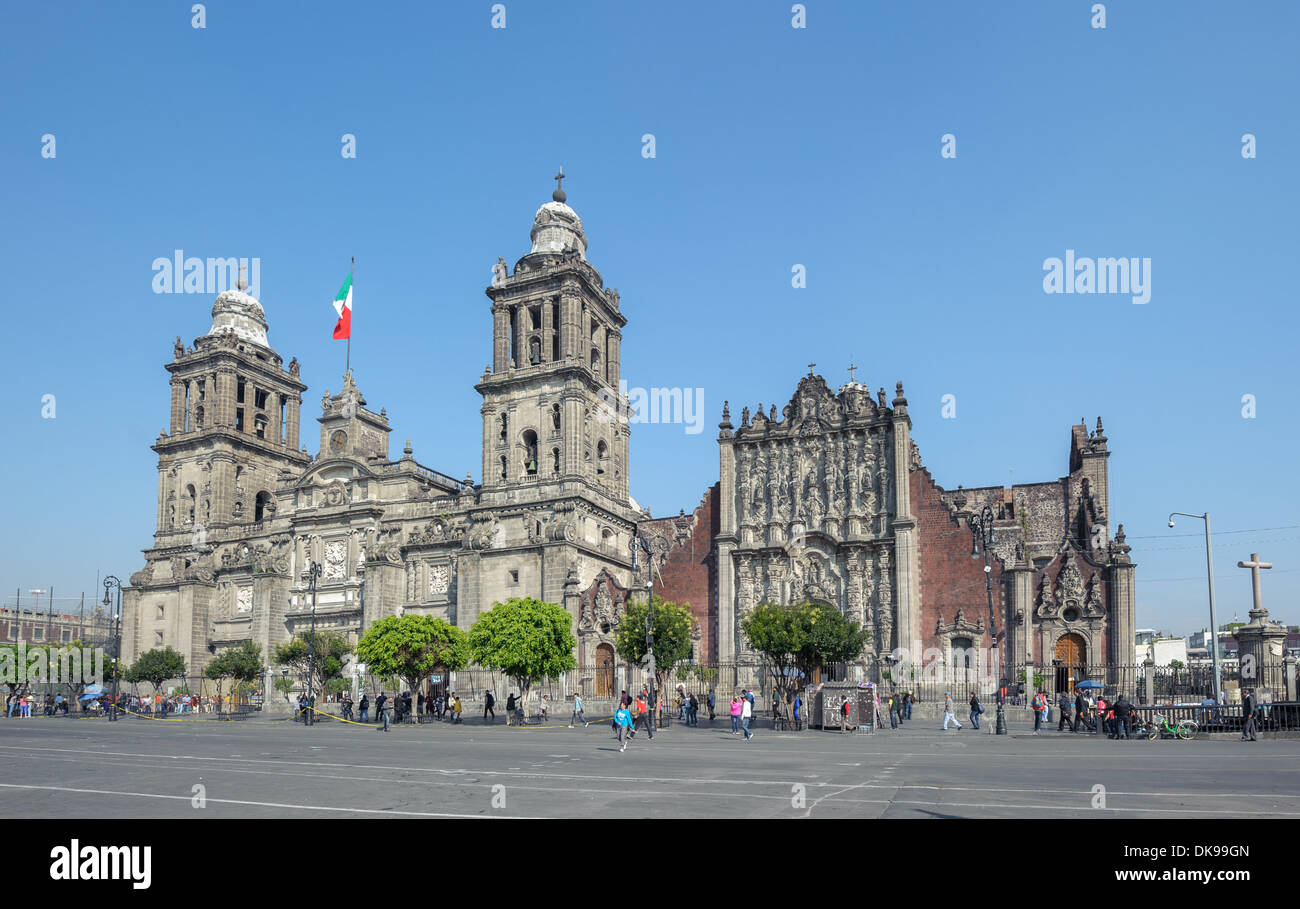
1160	728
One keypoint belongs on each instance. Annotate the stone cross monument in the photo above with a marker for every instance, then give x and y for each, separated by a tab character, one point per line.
1260	642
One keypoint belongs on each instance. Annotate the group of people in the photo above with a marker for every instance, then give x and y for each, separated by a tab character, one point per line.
633	713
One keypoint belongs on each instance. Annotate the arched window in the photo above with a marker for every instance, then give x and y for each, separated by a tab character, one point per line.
530	453
505	427
555	460
555	417
198	417
595	360
191	499
260	509
504	467
534	350
602	456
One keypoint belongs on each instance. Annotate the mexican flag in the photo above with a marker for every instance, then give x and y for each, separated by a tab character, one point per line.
343	305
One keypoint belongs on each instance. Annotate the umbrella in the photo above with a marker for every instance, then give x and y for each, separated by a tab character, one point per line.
1090	684
89	697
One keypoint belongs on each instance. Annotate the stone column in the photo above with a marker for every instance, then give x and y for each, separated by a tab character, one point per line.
908	593
1289	671
273	417
726	539
291	415
1149	675
548	332
520	352
613	343
1019	643
500	337
178	406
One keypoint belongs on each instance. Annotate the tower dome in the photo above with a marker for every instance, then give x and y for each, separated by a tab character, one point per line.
238	312
558	229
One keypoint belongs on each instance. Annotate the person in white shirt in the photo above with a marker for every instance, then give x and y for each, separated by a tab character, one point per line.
746	714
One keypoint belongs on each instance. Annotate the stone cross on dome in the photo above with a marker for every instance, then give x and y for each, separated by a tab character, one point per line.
810	368
1255	566
242	285
852	369
558	195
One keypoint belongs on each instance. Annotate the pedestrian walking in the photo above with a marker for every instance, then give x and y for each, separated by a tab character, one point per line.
363	709
1063	707
456	711
623	724
948	714
976	708
735	716
746	715
1123	711
577	712
1039	706
385	711
643	714
713	701
907	705
1248	715
380	703
1080	710
798	708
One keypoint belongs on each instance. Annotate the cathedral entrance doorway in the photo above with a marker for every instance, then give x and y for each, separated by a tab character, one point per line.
1071	660
605	671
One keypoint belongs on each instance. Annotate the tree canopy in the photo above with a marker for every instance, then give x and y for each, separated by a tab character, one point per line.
526	639
331	650
242	664
155	667
796	639
671	635
411	647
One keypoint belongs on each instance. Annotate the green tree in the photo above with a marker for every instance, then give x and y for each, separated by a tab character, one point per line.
526	639
1039	679
671	635
796	639
242	665
411	647
285	686
155	667
331	652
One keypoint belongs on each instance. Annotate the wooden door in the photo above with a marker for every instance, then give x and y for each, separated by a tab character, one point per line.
605	671
1072	651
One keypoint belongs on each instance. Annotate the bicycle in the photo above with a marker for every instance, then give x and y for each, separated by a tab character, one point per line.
1160	728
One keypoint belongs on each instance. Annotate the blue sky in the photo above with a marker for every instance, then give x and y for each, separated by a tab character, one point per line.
775	146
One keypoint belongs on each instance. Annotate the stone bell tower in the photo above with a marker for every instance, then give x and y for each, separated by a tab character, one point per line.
553	420
234	424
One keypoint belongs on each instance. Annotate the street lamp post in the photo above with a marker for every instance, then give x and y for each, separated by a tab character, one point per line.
309	715
1209	570
110	583
654	548
981	530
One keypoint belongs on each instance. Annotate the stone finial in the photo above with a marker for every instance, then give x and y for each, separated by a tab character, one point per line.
899	399
726	410
407	450
469	478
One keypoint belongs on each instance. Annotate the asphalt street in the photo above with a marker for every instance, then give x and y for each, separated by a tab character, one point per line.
71	768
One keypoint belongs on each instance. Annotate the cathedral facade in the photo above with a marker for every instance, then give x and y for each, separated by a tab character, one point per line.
827	500
244	512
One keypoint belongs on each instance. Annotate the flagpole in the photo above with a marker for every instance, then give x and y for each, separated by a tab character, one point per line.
352	277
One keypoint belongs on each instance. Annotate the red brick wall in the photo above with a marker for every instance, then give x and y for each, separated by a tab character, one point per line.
689	575
950	578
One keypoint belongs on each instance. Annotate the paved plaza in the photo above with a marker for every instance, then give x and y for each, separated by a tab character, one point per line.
61	768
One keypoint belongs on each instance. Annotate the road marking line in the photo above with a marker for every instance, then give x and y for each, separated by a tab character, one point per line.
186	798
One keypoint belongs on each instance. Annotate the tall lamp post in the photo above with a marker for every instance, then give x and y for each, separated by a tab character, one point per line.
309	715
655	548
982	534
110	583
1209	570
